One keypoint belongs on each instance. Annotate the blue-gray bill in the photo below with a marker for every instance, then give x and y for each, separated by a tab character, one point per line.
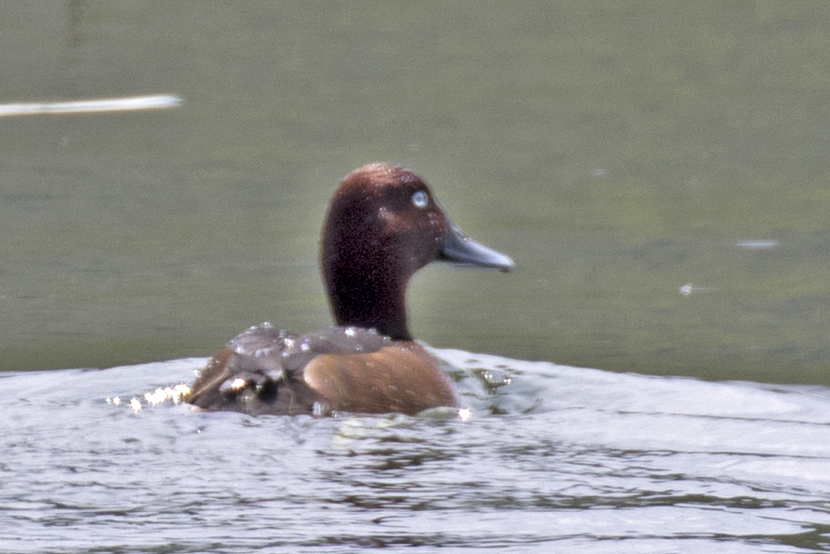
461	249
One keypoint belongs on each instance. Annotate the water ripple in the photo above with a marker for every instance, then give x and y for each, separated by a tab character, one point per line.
553	457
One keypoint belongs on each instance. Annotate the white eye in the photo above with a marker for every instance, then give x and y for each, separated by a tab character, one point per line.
420	199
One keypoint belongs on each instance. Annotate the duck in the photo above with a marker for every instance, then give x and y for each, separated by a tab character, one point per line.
383	224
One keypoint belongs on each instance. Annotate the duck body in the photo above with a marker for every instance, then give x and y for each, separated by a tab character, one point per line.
270	371
383	224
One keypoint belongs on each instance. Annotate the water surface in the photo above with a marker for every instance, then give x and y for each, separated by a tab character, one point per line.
657	170
552	458
621	152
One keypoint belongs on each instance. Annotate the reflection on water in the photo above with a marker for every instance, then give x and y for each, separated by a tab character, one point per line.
577	460
92	106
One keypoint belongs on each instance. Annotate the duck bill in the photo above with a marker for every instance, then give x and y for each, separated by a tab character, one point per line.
461	249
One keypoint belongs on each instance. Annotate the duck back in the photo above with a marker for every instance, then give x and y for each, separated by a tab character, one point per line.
342	369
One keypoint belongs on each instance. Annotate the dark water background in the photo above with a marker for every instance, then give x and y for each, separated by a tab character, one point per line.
617	150
659	172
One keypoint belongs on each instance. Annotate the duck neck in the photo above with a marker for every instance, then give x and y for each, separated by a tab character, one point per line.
371	301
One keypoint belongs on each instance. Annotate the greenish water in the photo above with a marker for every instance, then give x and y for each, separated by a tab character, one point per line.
618	151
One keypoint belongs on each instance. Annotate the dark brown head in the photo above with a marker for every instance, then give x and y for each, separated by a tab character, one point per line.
382	226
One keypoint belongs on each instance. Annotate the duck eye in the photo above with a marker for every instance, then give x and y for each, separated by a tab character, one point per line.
420	199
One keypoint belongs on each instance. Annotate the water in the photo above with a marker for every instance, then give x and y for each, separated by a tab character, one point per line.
618	151
658	172
553	458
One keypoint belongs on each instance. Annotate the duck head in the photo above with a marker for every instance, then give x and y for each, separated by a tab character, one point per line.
382	226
